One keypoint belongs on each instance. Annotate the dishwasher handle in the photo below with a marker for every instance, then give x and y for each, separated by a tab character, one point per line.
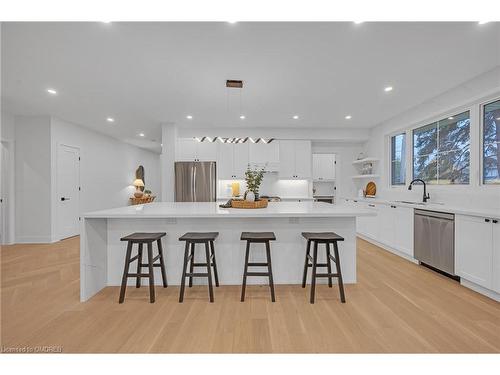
436	214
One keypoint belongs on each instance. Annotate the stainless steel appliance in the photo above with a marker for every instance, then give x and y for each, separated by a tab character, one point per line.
434	243
195	181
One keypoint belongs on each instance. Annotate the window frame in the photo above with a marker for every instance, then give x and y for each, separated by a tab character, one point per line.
483	104
436	119
405	179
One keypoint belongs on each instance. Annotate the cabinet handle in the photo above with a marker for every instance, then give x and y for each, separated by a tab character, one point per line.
371	205
487	220
495	221
393	206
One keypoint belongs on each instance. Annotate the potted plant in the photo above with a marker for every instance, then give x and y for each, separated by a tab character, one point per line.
147	193
253	179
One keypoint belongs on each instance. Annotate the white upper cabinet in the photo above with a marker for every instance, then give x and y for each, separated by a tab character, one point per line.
474	249
323	167
232	161
262	153
295	159
189	149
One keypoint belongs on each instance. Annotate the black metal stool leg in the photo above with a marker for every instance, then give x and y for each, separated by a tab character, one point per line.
184	268
339	272
245	269
162	264
151	273
328	264
313	280
306	263
139	266
209	271
191	264
216	275
270	270
125	273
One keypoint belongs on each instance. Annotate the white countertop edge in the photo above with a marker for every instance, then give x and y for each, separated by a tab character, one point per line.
492	214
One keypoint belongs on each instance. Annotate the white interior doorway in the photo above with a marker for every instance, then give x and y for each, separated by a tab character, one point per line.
7	192
68	191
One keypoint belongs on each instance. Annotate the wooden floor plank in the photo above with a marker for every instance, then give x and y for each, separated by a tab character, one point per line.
396	306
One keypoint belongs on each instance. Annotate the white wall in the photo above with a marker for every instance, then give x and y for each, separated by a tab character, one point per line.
7	177
33	187
7	126
107	167
465	97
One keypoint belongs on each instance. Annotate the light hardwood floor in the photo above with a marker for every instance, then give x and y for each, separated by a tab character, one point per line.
396	306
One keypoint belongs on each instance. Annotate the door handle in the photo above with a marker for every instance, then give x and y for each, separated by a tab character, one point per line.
487	220
495	221
64	199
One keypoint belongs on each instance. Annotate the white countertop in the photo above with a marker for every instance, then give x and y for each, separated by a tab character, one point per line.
488	213
212	210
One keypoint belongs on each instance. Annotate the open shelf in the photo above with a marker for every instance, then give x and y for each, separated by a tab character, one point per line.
366	176
365	160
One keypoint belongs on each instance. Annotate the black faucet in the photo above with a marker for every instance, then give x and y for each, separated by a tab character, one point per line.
426	195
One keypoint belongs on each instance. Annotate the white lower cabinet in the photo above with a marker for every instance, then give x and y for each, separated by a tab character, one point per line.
476	241
393	226
496	255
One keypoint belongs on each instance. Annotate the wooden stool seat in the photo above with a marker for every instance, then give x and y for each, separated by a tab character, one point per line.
327	238
258	237
142	238
199	237
322	236
191	239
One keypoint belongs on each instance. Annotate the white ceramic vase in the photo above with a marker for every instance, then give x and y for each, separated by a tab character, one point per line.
250	197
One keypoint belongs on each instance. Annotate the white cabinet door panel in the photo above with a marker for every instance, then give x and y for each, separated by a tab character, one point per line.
186	149
240	160
403	228
261	153
206	151
386	220
496	256
302	159
474	249
287	159
225	170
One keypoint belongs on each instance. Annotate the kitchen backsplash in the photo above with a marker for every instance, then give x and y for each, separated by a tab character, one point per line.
271	185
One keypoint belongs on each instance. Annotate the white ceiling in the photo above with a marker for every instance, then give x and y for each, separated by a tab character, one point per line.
145	74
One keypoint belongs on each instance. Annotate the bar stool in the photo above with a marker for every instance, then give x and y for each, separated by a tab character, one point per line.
258	237
191	239
141	239
327	238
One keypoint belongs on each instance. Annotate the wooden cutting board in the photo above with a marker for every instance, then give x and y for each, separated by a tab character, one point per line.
371	188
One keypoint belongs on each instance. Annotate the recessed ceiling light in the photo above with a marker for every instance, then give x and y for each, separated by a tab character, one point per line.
242	117
232	22
110	119
388	88
348	117
451	118
296	117
106	21
483	22
141	134
358	22
189	117
52	91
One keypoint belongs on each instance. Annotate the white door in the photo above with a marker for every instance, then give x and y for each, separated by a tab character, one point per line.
68	194
302	159
474	249
3	193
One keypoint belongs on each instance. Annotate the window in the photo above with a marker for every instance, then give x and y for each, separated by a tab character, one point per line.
441	151
491	143
398	159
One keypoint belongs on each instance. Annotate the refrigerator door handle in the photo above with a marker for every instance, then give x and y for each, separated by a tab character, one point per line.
194	183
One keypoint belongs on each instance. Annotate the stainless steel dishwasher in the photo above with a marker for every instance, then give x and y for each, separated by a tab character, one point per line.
434	239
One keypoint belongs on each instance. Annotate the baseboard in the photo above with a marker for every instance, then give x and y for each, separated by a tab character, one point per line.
35	239
481	290
388	248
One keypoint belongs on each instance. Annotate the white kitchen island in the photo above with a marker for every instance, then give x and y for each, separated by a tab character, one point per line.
102	254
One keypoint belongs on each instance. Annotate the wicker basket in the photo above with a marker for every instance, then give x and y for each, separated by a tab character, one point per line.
261	203
142	200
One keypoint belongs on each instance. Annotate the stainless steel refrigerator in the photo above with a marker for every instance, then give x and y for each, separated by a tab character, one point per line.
195	181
